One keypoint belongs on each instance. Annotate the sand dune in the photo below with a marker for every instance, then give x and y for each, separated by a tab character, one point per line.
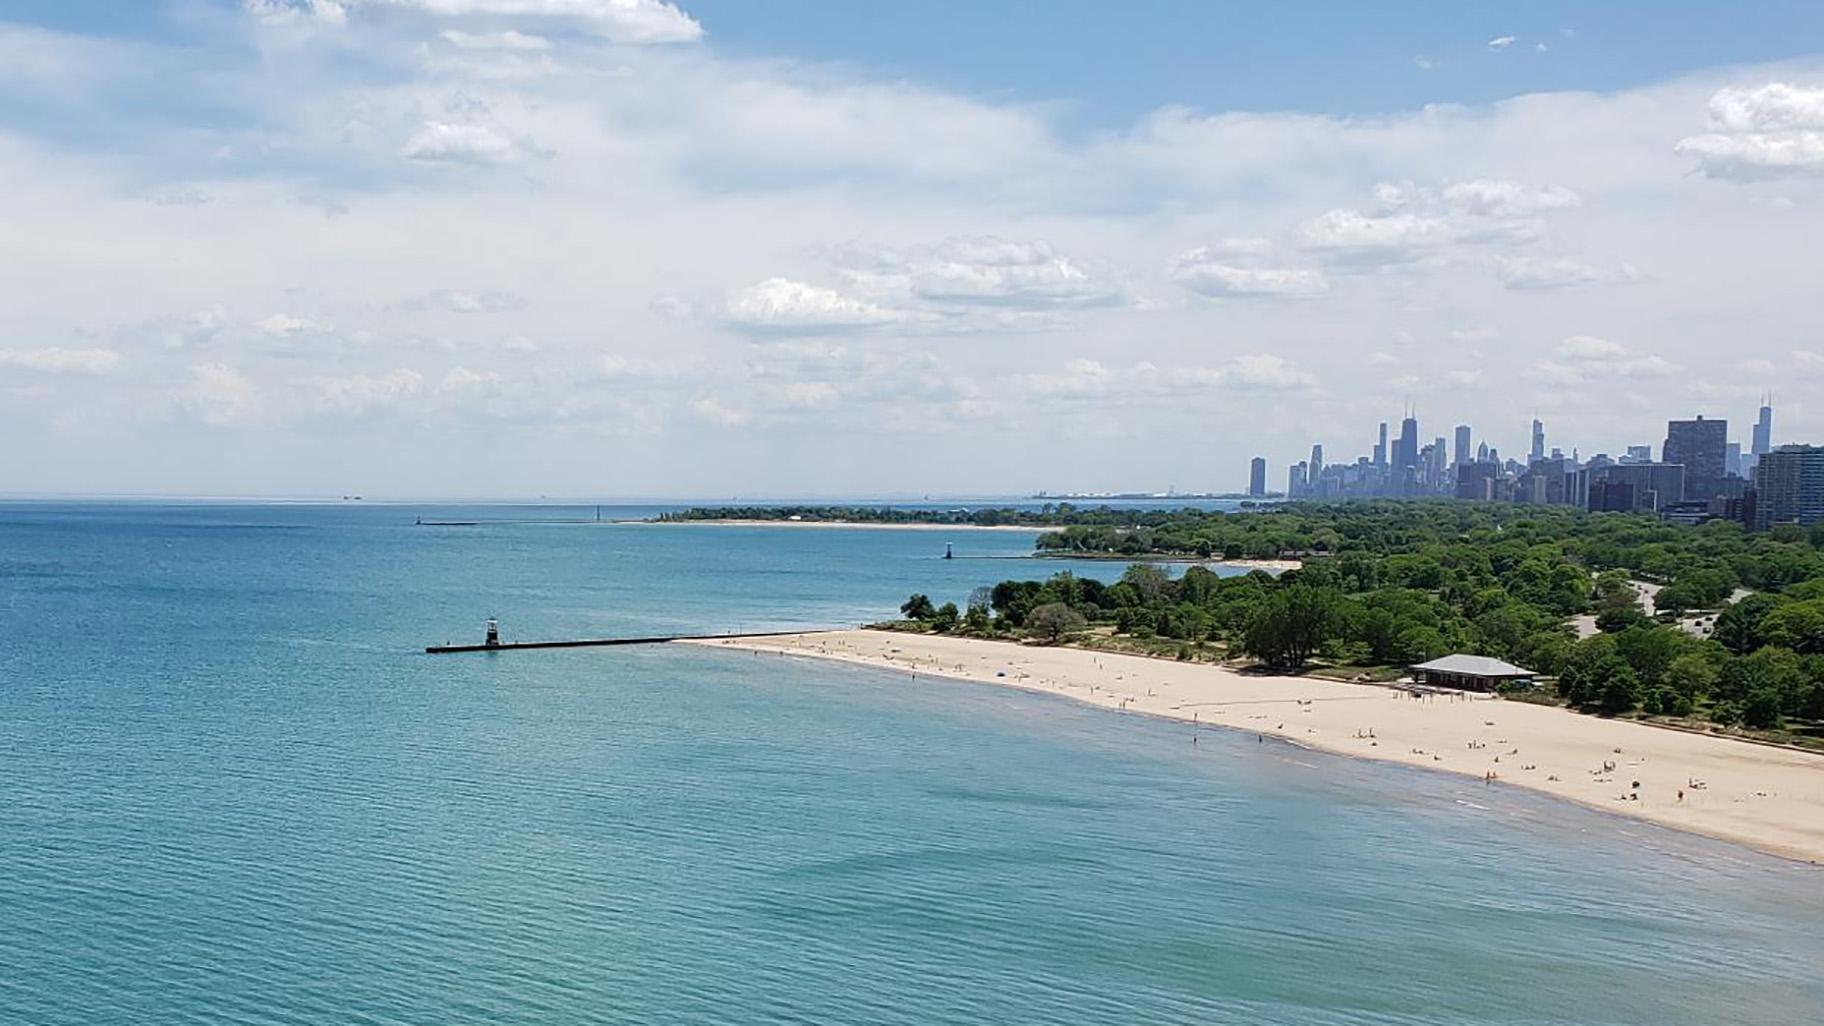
1767	798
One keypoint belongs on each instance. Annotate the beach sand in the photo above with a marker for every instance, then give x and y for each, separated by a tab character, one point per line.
1764	797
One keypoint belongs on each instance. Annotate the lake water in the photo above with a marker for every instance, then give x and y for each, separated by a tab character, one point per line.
234	790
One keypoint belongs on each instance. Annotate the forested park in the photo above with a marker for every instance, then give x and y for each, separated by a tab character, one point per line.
1618	614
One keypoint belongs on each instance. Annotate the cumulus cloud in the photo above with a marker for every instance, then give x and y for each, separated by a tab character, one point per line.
221	395
444	142
1084	379
1768	131
986	270
787	306
283	325
1202	271
715	411
1488	197
292	13
1533	273
57	360
472	302
1409	222
518	42
1586	359
618	21
359	393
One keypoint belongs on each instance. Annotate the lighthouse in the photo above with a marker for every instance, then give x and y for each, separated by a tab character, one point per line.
493	638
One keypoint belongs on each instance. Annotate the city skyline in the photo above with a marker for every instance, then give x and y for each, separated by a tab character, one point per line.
1700	447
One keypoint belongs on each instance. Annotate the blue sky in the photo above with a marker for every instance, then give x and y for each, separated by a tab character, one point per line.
715	247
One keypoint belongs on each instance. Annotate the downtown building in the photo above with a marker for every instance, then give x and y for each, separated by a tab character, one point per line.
1789	487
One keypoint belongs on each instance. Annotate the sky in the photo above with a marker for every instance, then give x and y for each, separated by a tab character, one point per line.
714	248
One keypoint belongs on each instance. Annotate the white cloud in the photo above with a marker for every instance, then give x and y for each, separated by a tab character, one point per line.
1265	371
1393	237
1487	197
358	393
453	143
619	21
1586	359
468	302
715	411
986	270
291	13
1500	42
1767	131
283	325
1087	379
221	395
1200	271
57	360
784	305
1524	273
519	42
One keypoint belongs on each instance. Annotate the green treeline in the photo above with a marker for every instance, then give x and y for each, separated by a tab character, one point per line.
1390	584
1049	515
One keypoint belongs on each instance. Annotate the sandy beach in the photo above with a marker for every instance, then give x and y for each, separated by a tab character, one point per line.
1764	797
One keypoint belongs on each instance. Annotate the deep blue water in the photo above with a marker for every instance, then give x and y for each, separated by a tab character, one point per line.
232	789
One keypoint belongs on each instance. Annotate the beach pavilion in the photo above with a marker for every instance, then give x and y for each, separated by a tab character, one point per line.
1469	673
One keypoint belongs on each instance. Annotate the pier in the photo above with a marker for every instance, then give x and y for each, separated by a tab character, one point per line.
494	645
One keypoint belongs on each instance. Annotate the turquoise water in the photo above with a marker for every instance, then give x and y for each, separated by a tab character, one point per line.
233	790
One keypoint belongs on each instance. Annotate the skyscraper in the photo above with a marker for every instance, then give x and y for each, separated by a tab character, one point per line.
1462	450
1380	447
1763	429
1538	450
1317	460
1789	486
1296	480
1701	447
1257	477
1406	447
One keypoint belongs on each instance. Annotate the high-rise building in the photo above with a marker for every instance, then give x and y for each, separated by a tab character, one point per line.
1482	452
1380	447
1406	447
1317	460
1638	454
1763	429
1297	480
1702	448
1650	485
1257	477
1732	459
1789	486
1462	449
1538	450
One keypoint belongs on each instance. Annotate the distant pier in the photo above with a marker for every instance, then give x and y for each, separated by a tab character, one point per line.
510	646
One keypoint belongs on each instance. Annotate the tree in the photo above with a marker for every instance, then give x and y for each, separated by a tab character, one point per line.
1597	678
1796	625
1420	644
976	620
919	608
1739	626
1292	624
945	619
1054	620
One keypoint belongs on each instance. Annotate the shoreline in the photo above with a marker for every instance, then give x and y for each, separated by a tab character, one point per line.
1765	798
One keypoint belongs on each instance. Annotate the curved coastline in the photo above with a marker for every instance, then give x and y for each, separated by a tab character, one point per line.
1767	799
